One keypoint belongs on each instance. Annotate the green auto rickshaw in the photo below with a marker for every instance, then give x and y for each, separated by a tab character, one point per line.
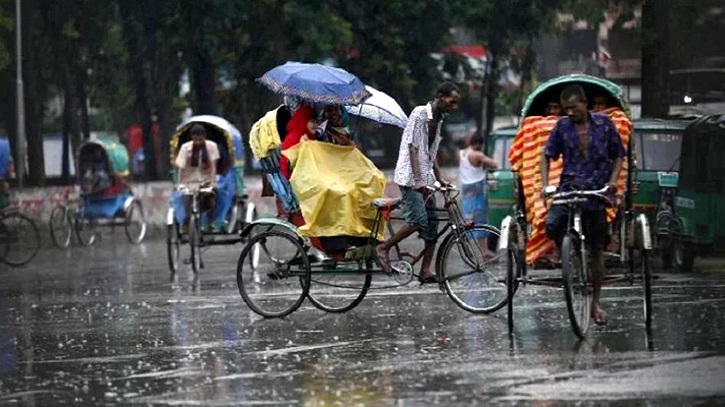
501	181
698	224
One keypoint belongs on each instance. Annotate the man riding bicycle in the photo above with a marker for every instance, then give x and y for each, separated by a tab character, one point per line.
197	163
592	151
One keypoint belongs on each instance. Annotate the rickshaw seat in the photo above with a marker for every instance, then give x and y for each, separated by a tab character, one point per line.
386	203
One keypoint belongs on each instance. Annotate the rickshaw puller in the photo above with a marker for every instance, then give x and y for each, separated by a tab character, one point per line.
592	151
197	163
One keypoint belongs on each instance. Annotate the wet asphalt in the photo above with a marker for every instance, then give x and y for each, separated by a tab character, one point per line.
108	325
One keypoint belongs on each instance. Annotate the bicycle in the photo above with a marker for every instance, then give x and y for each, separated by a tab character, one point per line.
474	282
19	238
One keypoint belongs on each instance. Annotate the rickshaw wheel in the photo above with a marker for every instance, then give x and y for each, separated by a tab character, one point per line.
684	256
195	243
335	292
474	282
20	238
646	269
577	287
61	226
173	247
85	232
135	223
279	285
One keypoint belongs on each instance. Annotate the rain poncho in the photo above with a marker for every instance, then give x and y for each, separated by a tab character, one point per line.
335	186
525	158
264	135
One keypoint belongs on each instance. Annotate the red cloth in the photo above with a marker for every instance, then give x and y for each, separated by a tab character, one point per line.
296	129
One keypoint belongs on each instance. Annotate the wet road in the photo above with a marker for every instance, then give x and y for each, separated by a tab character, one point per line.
106	326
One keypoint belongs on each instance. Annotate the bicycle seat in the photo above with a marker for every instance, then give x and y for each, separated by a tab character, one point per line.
386	203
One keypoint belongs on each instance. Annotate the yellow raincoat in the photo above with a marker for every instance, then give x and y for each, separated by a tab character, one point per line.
264	136
335	186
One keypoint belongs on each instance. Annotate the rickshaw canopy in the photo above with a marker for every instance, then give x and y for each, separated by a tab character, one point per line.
551	89
227	137
112	155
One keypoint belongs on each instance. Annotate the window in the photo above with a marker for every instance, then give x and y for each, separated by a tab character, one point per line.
659	151
501	149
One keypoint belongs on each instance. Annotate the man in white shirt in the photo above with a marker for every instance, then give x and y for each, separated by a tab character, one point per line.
197	163
415	171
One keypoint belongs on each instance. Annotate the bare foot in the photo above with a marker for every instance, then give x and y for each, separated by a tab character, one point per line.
427	278
599	316
383	260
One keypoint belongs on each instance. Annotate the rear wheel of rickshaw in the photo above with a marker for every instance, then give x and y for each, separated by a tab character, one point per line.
135	223
337	292
20	239
85	230
173	246
577	286
195	242
683	256
61	226
646	270
280	283
473	277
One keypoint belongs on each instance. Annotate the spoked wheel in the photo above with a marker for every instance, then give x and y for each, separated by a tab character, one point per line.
512	283
646	269
338	291
173	246
250	215
577	286
61	226
280	283
473	276
20	237
135	223
195	242
85	230
233	222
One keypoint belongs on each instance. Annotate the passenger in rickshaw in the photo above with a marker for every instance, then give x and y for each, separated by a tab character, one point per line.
553	108
302	126
592	153
97	179
334	128
197	164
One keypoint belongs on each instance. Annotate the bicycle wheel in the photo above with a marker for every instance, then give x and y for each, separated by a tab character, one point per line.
61	226
250	216
173	247
135	223
85	230
646	269
280	283
21	237
195	242
577	286
338	292
473	277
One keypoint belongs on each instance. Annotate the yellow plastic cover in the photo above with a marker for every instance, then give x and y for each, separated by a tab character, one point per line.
335	186
264	136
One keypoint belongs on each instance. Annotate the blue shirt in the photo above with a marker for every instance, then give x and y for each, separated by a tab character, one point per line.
4	158
591	172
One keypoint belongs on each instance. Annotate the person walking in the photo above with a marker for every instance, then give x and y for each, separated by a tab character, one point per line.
472	166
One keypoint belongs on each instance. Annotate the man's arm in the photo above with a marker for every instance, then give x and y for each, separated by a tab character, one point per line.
482	160
616	153
417	176
552	150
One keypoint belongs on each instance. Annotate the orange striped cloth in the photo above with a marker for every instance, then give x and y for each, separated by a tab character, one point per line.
525	158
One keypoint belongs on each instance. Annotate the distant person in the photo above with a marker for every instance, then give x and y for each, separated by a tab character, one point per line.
472	166
7	171
197	164
553	108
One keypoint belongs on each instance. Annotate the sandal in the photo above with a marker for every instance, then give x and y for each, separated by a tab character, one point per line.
427	280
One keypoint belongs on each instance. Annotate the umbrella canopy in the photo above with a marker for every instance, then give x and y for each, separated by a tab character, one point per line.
315	83
380	108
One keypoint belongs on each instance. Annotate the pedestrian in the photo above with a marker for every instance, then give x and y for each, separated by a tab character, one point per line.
6	172
472	166
415	171
592	151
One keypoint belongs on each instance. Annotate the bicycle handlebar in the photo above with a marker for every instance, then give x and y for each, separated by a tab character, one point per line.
576	196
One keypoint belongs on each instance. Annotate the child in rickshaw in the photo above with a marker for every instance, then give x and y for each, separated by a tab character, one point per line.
197	165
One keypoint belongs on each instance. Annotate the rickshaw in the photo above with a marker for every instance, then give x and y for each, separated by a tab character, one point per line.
657	144
232	209
698	223
106	198
501	181
520	238
296	265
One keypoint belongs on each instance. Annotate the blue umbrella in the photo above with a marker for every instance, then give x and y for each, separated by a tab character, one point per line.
315	83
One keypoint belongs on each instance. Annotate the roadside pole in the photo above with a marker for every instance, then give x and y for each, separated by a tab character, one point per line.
21	148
